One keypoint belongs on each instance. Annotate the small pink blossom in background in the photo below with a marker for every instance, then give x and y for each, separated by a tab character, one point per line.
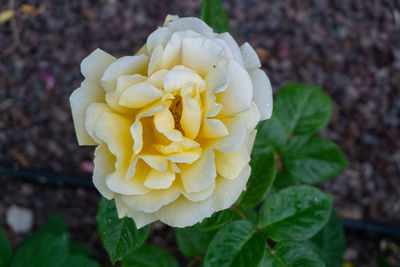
48	79
87	166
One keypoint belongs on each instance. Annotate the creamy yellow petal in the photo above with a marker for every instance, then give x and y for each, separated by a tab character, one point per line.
199	175
238	132
239	94
156	60
217	79
139	95
177	147
153	200
200	196
232	46
165	124
93	112
183	212
230	164
124	66
94	65
158	37
251	116
194	24
201	54
160	179
180	76
262	93
80	99
156	162
157	78
104	164
191	116
188	157
117	183
213	128
250	58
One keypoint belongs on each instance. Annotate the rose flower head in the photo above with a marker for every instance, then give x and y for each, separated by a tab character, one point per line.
174	125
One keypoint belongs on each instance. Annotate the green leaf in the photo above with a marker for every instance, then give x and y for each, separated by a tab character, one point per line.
329	243
217	220
313	160
270	133
55	225
236	244
262	176
302	109
43	250
192	241
213	13
284	179
291	254
295	213
5	249
149	256
119	236
81	261
78	248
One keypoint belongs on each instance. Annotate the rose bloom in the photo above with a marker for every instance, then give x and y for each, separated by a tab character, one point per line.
174	125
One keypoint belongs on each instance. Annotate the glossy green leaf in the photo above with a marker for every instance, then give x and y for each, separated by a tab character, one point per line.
295	213
302	109
213	13
329	243
5	249
236	244
270	134
55	225
262	176
119	236
149	256
284	179
313	160
81	261
192	241
43	250
291	254
78	248
217	220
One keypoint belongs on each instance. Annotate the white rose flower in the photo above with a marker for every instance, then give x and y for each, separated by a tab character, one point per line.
174	125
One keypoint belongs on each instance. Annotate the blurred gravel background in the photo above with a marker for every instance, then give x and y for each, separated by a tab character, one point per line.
349	47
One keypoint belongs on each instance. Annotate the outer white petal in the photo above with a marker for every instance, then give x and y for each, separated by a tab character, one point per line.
153	200
158	37
94	65
141	218
251	116
200	175
139	95
124	66
238	132
217	79
238	96
201	54
156	60
183	212
191	23
103	166
250	58
262	93
80	99
232	46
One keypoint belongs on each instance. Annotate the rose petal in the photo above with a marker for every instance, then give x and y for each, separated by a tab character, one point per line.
179	76
213	128
80	99
158	37
194	24
230	164
199	175
139	95
94	65
200	196
183	212
262	93
191	116
123	66
232	46
103	165
201	54
238	132
188	157
238	96
250	58
160	179
156	60
93	112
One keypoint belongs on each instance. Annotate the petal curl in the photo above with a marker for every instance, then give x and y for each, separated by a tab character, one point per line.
262	93
94	65
104	164
139	95
250	58
194	24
